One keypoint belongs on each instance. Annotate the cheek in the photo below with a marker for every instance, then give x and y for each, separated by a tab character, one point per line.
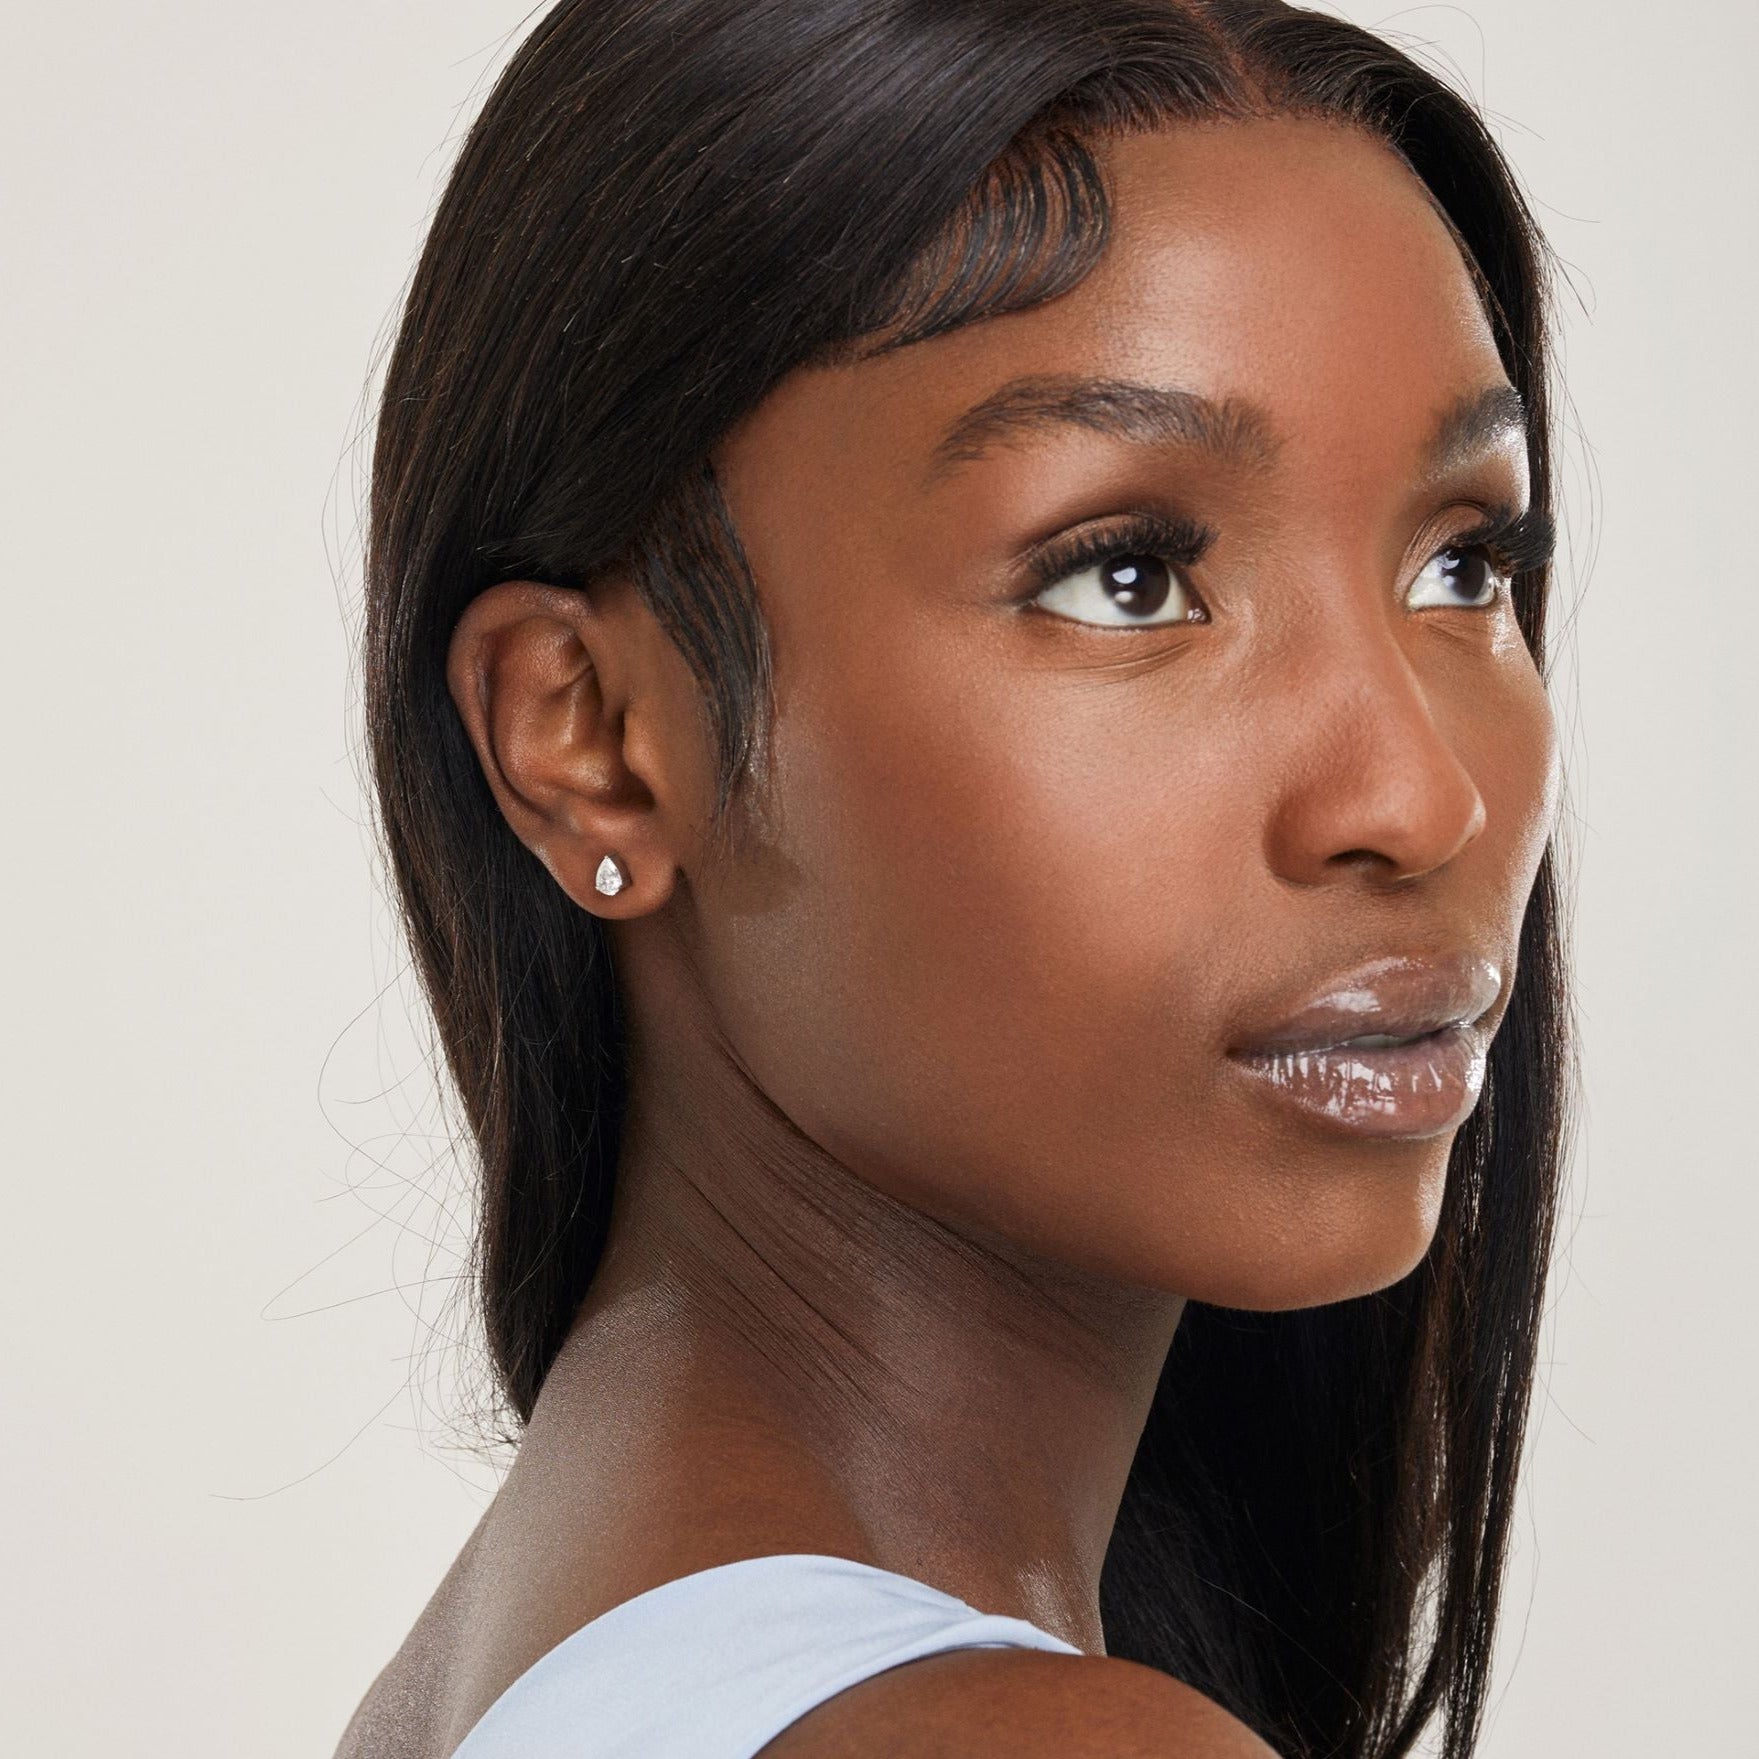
1000	984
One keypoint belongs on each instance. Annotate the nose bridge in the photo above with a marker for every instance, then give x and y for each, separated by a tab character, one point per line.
1370	775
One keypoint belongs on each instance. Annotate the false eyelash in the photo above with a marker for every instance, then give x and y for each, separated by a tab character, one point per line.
1175	539
1517	542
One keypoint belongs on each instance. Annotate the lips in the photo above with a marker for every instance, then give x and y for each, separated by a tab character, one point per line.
1397	996
1396	1047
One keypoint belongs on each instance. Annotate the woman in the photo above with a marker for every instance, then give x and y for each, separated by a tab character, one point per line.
956	622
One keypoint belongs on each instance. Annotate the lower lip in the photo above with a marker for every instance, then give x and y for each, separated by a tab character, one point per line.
1416	1089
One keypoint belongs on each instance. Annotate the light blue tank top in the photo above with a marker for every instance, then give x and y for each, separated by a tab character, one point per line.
714	1665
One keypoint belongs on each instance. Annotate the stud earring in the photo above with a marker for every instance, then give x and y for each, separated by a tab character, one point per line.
611	877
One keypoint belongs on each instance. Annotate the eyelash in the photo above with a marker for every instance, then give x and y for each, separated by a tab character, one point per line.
1178	541
1515	543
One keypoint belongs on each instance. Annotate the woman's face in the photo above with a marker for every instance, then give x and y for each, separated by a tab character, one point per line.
1032	869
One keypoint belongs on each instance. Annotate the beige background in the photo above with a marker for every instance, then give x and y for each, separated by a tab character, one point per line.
228	1237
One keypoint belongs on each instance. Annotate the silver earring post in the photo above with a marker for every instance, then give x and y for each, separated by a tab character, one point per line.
611	878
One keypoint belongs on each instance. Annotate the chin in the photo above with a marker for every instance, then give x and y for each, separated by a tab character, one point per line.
1337	1246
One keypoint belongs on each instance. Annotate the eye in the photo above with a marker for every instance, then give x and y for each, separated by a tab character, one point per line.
1462	575
1122	591
1123	578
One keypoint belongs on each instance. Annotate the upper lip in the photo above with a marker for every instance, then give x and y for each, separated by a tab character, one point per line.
1399	995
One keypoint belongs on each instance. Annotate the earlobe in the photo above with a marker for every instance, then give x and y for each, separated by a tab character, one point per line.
544	682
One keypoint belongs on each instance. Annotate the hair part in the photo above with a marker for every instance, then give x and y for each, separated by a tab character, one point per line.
663	209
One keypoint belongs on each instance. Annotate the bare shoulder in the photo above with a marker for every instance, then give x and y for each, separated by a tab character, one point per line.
1019	1704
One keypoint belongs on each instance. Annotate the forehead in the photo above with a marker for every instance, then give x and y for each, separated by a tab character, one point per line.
1290	264
1277	252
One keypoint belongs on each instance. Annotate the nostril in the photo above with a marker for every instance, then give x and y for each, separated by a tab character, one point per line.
1367	858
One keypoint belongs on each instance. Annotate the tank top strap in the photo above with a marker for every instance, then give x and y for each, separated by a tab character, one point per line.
716	1664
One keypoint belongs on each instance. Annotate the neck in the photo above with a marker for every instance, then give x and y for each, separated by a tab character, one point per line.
777	1356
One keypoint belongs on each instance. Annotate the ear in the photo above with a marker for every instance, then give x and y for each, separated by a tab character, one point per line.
580	710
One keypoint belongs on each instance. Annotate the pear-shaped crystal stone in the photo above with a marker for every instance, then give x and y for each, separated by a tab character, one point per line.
609	880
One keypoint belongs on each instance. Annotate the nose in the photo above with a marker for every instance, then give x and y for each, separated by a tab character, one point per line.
1369	782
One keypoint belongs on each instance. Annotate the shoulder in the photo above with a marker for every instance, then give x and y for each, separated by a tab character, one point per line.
1019	1704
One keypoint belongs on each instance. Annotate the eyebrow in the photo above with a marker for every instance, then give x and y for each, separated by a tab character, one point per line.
1150	415
1234	430
1473	424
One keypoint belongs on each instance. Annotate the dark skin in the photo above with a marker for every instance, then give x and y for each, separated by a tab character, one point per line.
931	1133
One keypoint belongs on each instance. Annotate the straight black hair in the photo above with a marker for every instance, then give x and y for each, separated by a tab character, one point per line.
664	207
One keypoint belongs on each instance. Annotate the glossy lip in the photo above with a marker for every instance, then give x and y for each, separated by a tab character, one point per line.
1313	1057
